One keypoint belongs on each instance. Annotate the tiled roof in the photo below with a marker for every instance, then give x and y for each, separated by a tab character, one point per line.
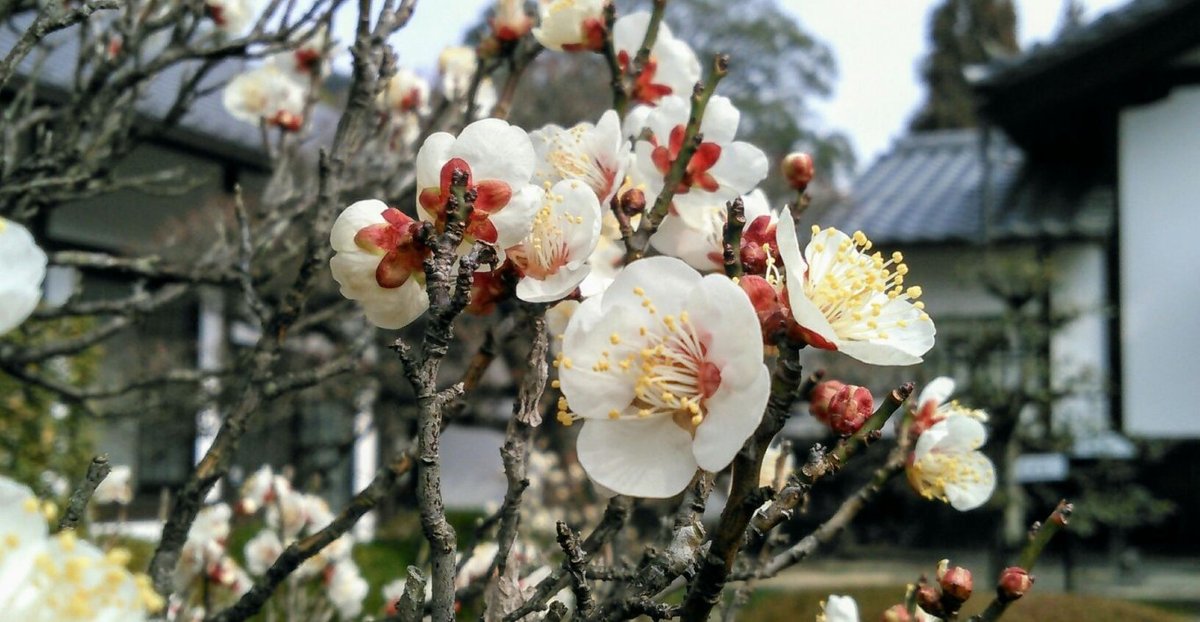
929	188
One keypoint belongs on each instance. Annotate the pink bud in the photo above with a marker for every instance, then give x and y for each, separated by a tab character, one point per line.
957	586
895	613
798	170
929	599
632	201
822	398
771	316
1013	583
849	409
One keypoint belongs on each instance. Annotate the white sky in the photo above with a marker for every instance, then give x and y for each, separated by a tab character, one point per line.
877	43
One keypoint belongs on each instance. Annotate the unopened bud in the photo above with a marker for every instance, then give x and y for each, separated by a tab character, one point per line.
1013	583
850	408
798	170
510	21
767	307
821	399
957	586
633	202
895	613
929	599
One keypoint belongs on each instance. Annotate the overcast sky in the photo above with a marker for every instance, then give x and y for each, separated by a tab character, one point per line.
877	44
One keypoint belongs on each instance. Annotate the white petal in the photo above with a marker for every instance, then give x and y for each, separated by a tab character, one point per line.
554	287
937	391
594	393
740	167
21	278
974	484
434	153
496	150
637	457
789	249
397	308
354	218
515	220
676	238
665	281
723	311
733	413
720	122
878	352
841	609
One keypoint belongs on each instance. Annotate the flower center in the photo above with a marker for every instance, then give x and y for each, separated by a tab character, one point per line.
573	162
545	251
851	287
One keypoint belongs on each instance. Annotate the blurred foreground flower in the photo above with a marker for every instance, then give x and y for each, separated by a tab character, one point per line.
21	281
666	367
838	609
61	578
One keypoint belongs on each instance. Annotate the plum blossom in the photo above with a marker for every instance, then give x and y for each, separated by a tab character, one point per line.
232	17
116	488
405	93
378	262
61	578
261	551
672	68
498	159
510	21
21	280
594	154
696	235
457	68
934	405
666	370
847	300
720	168
262	488
552	259
266	94
346	589
946	464
838	609
571	25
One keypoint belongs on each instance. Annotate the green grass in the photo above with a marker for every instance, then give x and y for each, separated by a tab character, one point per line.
780	606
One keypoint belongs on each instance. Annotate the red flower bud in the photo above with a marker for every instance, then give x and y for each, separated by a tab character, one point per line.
798	170
849	409
895	613
929	599
632	202
1013	583
771	316
822	397
957	586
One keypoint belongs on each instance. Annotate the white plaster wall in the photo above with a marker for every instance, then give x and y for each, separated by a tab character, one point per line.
1079	349
1160	264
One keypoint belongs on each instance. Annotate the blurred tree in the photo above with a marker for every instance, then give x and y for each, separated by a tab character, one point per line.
961	33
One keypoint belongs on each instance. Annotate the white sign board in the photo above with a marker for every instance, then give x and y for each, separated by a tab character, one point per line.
1035	468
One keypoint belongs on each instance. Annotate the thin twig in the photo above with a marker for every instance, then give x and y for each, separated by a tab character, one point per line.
98	469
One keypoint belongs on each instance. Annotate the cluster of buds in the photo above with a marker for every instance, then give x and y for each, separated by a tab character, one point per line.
842	407
953	588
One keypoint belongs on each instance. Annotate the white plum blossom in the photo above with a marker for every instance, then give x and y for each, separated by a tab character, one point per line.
457	68
934	405
233	17
510	21
378	262
116	488
552	259
839	609
696	235
498	159
946	464
405	93
672	68
571	25
61	578
847	300
21	280
261	551
346	589
262	488
310	58
666	370
266	94
719	169
594	154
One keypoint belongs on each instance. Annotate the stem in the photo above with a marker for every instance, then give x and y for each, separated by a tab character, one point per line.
98	469
691	142
620	95
1039	537
735	221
